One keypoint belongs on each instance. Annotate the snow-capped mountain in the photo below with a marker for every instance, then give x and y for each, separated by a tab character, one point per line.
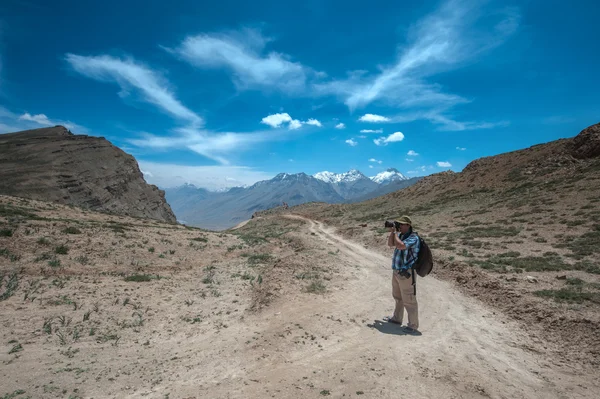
219	210
350	184
388	176
348	177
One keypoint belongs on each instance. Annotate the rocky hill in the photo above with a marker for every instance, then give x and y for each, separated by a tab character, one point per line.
520	231
52	164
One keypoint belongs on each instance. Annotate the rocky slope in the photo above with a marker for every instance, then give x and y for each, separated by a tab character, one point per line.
520	231
52	164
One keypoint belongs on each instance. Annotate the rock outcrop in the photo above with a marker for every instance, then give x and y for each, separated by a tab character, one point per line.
53	164
587	143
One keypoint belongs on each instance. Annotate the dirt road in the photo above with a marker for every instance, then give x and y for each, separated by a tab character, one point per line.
180	337
466	351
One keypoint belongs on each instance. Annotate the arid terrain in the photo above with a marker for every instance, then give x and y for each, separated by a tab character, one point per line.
291	303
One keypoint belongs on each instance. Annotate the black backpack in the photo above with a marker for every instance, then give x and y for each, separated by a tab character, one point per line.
424	262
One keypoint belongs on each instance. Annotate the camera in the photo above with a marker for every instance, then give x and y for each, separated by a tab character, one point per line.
391	223
404	273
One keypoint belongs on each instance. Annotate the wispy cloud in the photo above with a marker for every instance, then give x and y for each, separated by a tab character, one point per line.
557	120
131	75
461	148
351	142
420	170
375	160
216	146
13	122
444	164
372	131
450	37
373	118
392	138
210	177
43	120
340	126
451	125
244	54
412	153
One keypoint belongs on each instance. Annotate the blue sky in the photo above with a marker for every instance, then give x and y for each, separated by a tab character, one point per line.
232	92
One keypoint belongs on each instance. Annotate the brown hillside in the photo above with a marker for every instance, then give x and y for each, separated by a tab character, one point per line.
52	164
519	230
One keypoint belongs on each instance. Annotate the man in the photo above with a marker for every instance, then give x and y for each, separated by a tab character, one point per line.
407	245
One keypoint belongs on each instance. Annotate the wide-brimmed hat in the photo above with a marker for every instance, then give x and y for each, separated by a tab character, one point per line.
404	220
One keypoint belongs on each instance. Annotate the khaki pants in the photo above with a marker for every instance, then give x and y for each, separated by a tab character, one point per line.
403	293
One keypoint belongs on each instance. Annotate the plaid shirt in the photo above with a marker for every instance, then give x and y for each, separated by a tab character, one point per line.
405	259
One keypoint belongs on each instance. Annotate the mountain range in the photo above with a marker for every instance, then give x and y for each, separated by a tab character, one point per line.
220	210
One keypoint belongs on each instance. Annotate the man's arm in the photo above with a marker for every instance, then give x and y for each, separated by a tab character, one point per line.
391	242
398	243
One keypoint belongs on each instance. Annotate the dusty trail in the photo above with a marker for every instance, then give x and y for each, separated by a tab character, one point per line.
335	345
466	351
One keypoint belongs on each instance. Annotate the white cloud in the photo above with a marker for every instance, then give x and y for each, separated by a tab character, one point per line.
11	122
295	124
130	74
210	177
409	160
461	148
375	160
372	131
340	126
313	122
370	166
43	120
362	137
276	120
412	153
373	118
444	164
40	119
351	142
392	138
243	54
456	33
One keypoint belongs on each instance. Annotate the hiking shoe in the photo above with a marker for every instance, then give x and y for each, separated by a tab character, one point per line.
411	331
390	319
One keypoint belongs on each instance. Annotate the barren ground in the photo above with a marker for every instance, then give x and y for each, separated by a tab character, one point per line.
283	307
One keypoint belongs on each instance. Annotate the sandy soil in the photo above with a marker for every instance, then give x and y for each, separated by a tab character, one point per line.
174	338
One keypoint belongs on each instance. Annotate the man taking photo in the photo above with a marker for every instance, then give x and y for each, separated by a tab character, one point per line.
406	246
